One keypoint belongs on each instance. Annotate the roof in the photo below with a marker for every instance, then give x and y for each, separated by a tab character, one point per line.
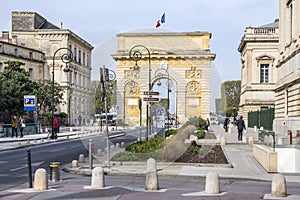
274	24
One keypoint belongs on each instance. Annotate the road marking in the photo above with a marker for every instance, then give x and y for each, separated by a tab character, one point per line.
58	150
25	166
3	162
76	146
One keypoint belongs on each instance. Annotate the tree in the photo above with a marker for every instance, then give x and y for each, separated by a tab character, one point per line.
15	83
44	95
230	94
99	99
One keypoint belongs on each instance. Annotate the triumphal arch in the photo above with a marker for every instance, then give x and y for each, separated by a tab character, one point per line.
163	69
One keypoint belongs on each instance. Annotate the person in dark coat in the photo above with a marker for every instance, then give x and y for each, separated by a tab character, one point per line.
226	122
240	126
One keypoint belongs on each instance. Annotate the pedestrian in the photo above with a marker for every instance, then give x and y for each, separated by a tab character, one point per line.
55	127
14	126
241	126
207	124
226	121
21	125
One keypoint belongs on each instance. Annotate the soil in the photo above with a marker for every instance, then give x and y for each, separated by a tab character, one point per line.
212	154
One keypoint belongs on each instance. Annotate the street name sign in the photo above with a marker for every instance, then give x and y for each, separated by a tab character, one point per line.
152	99
151	93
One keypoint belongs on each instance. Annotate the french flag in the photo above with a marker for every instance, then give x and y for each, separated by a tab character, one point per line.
161	21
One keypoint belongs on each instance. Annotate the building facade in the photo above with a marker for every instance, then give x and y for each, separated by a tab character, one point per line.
287	95
259	53
179	62
33	59
29	29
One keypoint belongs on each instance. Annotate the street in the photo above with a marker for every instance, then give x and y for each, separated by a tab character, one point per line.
14	169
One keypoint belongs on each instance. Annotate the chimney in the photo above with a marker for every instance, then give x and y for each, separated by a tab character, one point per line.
5	36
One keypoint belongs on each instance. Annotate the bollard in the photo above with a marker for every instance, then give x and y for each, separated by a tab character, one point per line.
54	171
99	152
29	168
97	178
278	186
212	183
91	151
151	175
112	147
251	141
40	180
223	141
122	144
74	164
81	158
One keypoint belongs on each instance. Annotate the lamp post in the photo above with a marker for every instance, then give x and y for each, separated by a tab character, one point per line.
136	55
106	75
160	73
66	58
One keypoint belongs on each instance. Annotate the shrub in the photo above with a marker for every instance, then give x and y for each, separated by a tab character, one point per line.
151	145
171	132
200	134
198	122
196	149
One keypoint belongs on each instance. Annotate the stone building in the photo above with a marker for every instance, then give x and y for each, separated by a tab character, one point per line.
33	59
29	29
259	53
287	95
179	61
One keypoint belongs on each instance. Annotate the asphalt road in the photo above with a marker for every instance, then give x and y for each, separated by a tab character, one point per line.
14	163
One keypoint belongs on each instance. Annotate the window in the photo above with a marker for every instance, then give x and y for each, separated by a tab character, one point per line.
79	56
83	59
31	73
75	54
30	55
1	66
70	47
264	73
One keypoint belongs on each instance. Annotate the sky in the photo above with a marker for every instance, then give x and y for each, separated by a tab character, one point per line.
99	21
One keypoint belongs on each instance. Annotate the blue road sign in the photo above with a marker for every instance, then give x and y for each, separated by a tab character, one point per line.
29	102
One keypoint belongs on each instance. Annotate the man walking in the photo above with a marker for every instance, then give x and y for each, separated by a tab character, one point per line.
241	126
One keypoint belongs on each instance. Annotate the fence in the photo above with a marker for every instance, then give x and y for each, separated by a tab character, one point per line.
262	118
29	129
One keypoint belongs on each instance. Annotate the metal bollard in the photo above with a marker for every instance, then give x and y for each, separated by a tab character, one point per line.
54	171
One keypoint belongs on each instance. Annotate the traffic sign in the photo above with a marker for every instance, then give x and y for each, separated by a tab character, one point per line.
151	93
29	102
152	99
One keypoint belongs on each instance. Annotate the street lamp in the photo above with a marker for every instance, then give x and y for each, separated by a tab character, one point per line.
66	58
136	55
160	73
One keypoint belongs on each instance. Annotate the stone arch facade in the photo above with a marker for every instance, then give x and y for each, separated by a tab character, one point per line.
187	59
193	105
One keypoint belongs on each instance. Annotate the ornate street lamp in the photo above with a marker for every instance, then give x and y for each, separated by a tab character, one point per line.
161	73
136	55
66	58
